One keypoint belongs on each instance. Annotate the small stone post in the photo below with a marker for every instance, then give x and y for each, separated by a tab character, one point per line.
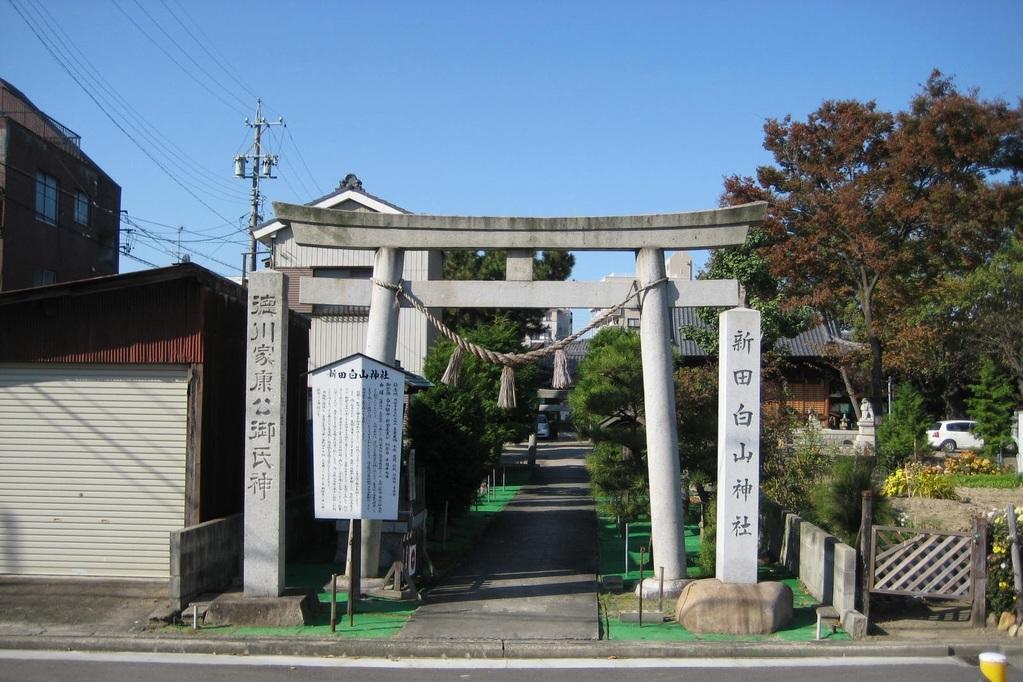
666	525
265	434
738	506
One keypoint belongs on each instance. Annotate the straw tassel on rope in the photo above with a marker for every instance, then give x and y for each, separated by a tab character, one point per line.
506	397
450	377
562	379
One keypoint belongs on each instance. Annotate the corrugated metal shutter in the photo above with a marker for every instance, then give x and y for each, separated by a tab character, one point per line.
92	468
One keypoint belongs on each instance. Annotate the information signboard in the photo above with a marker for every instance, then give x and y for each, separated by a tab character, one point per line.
357	422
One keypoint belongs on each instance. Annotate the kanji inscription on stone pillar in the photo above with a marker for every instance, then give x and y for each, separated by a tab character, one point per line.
738	484
265	434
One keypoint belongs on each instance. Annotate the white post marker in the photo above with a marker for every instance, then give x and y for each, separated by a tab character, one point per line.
738	505
265	434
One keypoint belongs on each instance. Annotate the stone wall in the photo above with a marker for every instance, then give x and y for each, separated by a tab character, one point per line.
204	558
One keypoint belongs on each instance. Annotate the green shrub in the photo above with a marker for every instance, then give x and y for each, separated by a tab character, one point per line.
919	480
707	561
902	434
838	502
1001	593
619	483
790	474
969	462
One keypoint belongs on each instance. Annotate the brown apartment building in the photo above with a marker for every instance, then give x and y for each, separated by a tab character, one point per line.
59	212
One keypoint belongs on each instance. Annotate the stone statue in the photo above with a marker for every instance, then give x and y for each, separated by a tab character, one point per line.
866	411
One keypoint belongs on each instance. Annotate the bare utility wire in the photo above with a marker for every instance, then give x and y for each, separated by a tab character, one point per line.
187	54
174	60
62	54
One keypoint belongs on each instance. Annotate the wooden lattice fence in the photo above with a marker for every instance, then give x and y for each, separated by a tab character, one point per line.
921	563
927	563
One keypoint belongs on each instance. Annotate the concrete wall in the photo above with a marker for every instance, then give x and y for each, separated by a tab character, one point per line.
204	558
824	565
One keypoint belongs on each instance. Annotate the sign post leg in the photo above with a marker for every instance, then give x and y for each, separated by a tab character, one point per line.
354	577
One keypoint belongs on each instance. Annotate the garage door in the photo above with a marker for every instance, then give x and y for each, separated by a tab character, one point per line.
92	468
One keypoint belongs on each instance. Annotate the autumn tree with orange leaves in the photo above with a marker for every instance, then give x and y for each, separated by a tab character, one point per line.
869	209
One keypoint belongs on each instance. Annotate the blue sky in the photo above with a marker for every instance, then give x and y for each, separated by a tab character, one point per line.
502	108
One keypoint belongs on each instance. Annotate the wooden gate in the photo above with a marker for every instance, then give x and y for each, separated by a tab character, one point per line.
928	563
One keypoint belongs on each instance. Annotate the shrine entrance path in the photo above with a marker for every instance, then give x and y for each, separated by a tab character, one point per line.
533	574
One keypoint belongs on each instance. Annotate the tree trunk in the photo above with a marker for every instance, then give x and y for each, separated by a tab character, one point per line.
876	375
866	295
853	398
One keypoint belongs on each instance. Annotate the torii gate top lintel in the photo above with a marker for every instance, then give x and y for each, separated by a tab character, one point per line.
706	229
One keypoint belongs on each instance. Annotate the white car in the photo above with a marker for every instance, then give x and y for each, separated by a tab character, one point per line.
543	427
954	434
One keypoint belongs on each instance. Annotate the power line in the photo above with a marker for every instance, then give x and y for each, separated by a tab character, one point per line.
113	120
203	45
301	159
171	57
143	127
71	73
157	240
185	52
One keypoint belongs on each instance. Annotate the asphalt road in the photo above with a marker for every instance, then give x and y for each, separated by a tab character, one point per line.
39	666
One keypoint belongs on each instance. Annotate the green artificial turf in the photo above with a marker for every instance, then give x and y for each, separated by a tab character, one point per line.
375	617
612	561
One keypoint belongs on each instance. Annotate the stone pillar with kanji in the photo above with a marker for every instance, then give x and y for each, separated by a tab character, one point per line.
265	434
738	485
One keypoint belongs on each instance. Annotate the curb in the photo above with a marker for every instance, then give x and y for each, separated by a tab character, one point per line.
493	648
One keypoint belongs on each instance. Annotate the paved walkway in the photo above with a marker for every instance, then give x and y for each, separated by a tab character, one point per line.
533	575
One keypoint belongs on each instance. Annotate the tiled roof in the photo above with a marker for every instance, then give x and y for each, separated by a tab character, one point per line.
808	344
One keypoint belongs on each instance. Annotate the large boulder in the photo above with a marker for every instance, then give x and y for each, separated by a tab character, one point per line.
711	606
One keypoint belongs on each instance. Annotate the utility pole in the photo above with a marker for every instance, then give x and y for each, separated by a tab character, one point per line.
262	167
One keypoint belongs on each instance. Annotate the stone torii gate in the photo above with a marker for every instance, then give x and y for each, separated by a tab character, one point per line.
647	235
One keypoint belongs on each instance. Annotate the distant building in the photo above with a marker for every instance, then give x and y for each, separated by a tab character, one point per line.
340	330
59	212
556	324
679	266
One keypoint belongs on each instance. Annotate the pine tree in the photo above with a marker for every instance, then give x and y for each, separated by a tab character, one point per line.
903	433
992	405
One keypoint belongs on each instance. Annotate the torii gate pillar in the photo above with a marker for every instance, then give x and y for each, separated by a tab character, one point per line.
661	429
381	344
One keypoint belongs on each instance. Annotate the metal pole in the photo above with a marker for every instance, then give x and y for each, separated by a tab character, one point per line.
626	546
444	534
660	592
641	561
333	602
254	198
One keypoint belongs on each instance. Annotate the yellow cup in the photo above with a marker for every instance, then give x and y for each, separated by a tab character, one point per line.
992	666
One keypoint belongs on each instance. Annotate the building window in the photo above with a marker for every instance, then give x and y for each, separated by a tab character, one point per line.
43	277
82	205
47	190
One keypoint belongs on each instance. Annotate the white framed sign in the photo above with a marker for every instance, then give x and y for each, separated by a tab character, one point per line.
357	424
